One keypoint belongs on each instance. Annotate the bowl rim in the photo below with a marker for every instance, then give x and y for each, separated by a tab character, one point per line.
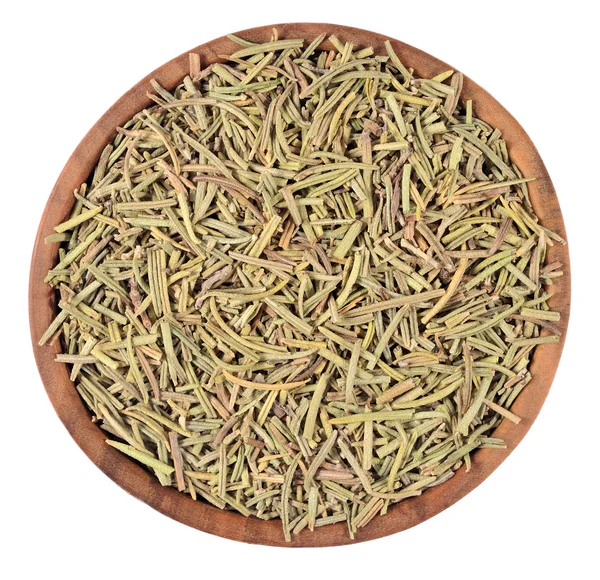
198	514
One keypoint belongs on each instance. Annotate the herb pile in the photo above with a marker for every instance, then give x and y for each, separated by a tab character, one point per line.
306	284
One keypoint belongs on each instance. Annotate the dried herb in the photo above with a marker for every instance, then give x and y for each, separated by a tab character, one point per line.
304	285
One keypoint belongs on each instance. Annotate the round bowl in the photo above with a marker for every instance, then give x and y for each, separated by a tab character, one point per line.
143	485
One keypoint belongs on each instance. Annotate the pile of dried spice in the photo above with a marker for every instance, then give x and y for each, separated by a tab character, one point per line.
304	285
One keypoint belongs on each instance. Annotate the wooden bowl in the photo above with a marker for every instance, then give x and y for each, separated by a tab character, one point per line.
139	482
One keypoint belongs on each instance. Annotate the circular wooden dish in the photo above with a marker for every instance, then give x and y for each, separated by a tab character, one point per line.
198	514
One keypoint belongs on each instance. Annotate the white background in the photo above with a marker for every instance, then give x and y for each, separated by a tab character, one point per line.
63	65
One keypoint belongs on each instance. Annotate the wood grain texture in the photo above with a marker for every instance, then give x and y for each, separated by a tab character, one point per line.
139	482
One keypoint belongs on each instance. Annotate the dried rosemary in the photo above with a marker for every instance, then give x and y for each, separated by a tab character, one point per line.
305	284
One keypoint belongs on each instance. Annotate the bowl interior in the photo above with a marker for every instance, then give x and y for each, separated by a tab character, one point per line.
198	514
